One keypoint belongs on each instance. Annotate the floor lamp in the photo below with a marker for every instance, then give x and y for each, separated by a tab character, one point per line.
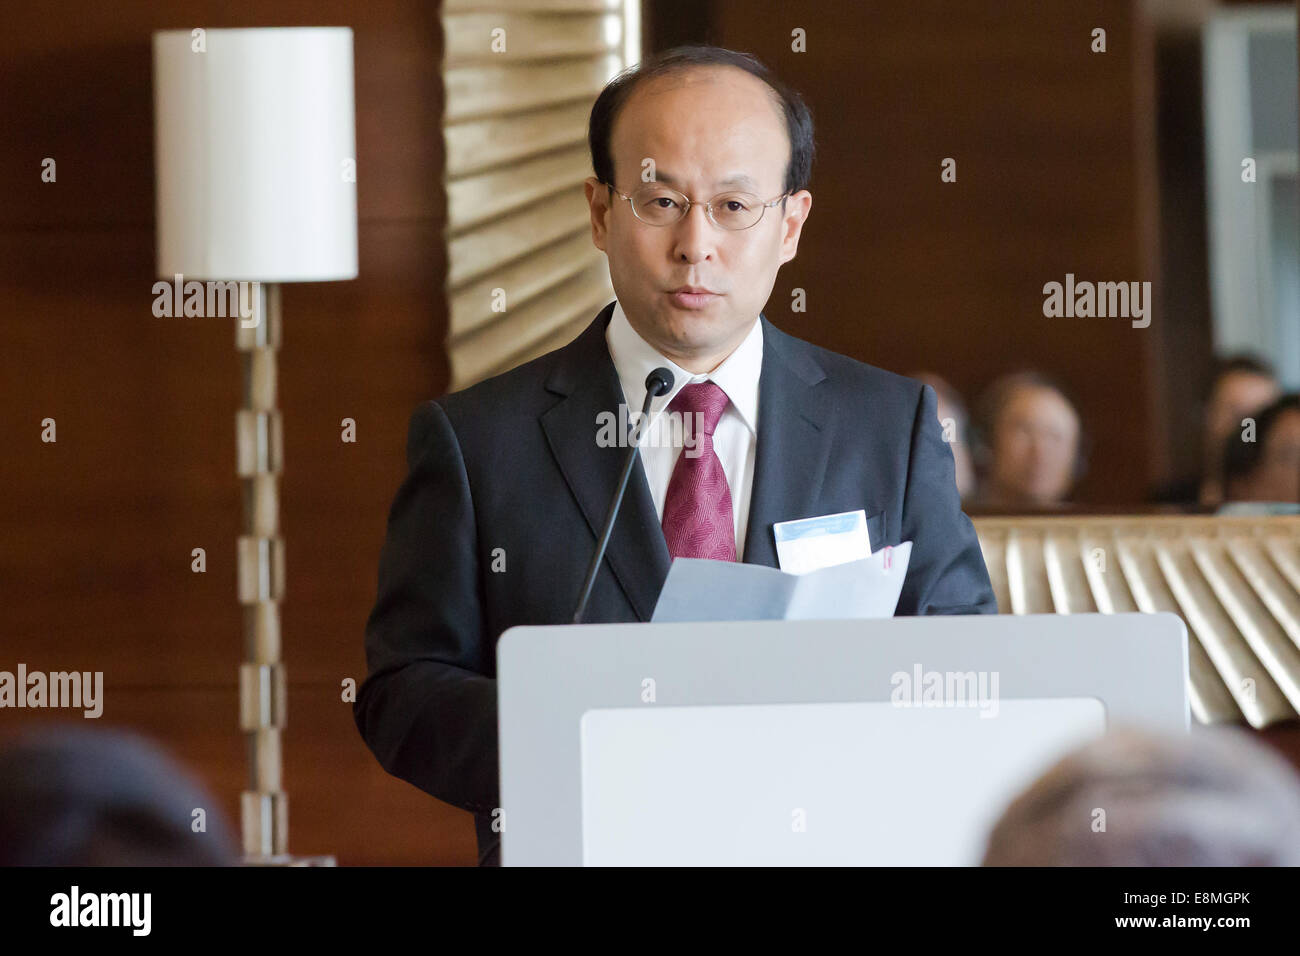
255	170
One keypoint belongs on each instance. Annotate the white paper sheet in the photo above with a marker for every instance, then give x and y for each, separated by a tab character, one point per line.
702	590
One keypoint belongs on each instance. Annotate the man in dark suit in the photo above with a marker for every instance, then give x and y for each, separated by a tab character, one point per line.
509	480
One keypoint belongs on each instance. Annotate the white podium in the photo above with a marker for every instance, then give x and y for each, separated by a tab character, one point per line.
864	742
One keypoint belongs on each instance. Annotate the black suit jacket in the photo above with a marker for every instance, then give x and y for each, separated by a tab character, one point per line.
507	488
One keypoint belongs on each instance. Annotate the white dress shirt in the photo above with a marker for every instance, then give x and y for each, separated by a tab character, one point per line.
734	440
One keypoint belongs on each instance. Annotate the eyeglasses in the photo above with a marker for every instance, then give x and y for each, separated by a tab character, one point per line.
658	205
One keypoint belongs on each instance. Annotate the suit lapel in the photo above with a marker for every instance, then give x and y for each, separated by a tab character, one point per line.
588	384
793	442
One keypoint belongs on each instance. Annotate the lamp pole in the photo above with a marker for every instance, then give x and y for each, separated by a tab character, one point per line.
264	805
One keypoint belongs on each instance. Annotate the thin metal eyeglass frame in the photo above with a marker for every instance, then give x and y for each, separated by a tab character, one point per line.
708	208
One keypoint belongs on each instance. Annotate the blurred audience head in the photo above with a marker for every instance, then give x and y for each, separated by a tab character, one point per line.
1029	442
1214	797
955	421
72	796
1266	468
1240	386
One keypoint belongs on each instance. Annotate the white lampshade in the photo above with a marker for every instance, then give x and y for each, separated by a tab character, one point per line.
255	153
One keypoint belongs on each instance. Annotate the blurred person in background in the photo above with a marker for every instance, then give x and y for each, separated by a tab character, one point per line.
1240	386
74	796
1214	797
956	431
1262	476
1028	444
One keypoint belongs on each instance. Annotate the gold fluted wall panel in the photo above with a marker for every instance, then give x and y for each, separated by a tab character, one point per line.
1235	581
520	76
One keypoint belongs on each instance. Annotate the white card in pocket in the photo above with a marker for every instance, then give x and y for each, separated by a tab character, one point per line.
810	544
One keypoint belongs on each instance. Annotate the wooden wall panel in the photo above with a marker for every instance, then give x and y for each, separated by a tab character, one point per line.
1055	151
96	530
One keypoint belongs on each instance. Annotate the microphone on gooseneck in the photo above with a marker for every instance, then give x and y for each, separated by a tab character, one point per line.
659	382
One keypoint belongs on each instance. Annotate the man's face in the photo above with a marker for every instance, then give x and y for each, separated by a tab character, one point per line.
707	131
1036	442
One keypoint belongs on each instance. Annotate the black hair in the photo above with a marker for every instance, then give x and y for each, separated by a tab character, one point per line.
798	118
1241	458
80	796
1241	363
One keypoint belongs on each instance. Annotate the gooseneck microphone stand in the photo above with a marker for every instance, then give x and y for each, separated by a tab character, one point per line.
659	382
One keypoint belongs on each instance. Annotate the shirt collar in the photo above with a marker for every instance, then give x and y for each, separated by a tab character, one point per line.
634	359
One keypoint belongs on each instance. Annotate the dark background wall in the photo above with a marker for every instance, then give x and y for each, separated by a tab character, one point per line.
1055	151
1056	173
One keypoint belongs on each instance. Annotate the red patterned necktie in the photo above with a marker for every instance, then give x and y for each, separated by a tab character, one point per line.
698	519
